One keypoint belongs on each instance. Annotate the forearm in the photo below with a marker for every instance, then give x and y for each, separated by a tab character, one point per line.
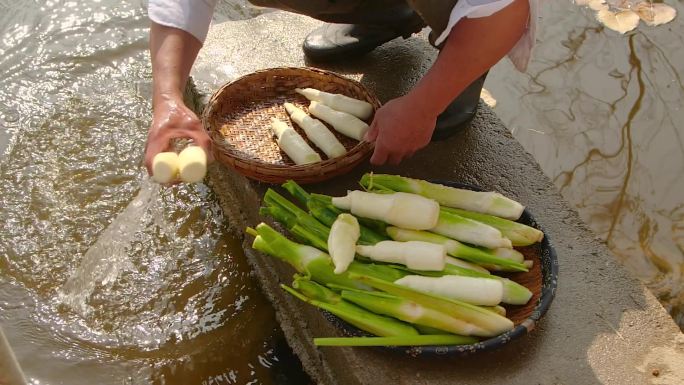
178	30
173	52
473	46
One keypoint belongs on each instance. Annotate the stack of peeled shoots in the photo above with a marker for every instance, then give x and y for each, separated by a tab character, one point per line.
344	114
190	166
408	261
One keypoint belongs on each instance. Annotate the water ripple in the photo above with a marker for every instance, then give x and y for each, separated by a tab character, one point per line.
99	268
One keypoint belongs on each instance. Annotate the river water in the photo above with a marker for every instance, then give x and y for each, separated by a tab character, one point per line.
104	277
603	115
108	279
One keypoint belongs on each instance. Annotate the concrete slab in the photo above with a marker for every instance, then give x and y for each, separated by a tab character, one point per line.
603	327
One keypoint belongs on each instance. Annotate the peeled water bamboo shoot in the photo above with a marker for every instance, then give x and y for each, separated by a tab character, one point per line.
404	210
344	123
501	259
165	167
293	144
313	262
316	131
476	291
339	102
344	234
415	255
192	164
489	202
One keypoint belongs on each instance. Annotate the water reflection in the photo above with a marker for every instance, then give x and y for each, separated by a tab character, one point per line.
625	15
602	114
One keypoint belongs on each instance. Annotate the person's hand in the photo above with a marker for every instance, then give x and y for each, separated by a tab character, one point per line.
172	119
399	129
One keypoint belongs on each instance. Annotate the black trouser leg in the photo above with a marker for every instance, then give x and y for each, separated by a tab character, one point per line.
460	112
355	27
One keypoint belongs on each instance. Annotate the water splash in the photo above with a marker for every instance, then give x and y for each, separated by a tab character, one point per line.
105	259
99	269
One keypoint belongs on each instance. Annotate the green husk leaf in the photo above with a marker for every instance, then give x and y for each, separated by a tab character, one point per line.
420	340
327	300
493	323
518	233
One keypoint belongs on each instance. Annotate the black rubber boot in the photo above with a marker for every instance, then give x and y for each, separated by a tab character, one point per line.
460	112
331	42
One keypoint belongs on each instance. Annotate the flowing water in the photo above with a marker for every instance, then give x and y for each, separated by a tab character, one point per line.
107	279
602	114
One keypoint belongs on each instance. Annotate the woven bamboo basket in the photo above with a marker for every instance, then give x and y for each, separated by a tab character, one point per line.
238	117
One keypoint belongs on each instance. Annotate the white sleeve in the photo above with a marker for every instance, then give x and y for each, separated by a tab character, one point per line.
522	52
192	16
472	9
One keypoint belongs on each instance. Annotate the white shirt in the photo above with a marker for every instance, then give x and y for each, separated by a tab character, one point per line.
194	16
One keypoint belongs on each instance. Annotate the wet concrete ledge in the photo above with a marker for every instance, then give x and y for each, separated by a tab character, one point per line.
603	326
